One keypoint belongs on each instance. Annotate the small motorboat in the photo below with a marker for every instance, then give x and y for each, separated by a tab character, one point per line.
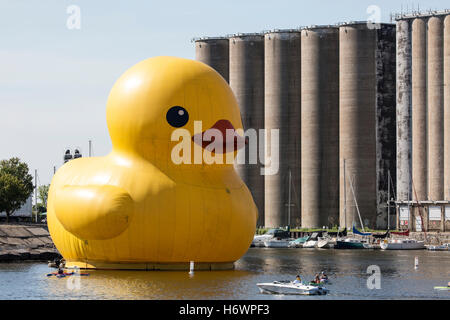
402	244
289	287
326	243
258	240
310	244
442	288
298	243
277	243
443	247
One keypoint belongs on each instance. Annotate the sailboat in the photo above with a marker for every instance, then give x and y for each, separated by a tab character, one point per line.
352	243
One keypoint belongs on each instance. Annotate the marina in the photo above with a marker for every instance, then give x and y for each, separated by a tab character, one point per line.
346	269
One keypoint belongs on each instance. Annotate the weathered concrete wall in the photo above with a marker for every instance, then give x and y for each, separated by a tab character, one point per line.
404	96
282	112
447	108
419	110
247	83
320	127
435	96
386	148
357	134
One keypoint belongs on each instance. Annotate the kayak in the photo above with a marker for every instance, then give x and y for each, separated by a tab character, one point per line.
65	274
441	288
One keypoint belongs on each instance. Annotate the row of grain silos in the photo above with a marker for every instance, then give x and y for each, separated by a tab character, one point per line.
330	91
423	106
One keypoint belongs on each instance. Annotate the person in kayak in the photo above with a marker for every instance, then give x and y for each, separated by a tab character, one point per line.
61	269
298	279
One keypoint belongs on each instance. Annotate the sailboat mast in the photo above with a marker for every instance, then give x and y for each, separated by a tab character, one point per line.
356	203
289	200
345	199
389	198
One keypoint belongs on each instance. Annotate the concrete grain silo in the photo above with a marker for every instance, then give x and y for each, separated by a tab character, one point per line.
419	109
447	107
404	96
214	51
320	127
247	82
282	104
367	121
435	99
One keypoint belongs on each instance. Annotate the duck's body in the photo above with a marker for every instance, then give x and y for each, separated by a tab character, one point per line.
136	209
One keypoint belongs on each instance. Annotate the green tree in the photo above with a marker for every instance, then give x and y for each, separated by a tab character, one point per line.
16	185
43	194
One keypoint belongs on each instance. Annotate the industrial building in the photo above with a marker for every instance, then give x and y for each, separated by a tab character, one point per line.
363	113
367	121
423	120
320	123
282	111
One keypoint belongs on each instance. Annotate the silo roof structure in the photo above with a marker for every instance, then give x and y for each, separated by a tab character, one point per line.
214	51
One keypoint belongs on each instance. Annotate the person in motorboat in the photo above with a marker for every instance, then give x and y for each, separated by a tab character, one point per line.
323	277
297	280
316	279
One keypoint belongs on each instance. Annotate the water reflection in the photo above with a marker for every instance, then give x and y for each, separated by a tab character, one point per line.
347	270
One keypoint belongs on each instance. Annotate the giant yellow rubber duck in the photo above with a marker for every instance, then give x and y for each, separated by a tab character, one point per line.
141	208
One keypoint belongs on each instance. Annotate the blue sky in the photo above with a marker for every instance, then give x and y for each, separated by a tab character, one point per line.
54	82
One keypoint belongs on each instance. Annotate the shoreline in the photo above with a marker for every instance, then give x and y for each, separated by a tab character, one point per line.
26	242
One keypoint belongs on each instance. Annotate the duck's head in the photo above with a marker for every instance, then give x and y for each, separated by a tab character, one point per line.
154	99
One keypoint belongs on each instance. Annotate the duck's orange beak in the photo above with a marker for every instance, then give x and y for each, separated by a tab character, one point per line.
220	138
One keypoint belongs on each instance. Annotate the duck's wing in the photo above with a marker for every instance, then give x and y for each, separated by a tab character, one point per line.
94	212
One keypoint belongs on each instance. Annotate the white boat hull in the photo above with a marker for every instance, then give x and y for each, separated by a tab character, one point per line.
310	244
402	246
258	241
326	244
438	248
277	243
277	287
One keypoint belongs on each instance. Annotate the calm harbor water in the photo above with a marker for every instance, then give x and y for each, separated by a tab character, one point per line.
347	270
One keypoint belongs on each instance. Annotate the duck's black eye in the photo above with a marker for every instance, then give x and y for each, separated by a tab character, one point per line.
177	116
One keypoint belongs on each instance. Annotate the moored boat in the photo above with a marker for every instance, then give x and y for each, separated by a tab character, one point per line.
297	243
349	243
443	247
402	244
310	244
277	243
326	243
258	240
